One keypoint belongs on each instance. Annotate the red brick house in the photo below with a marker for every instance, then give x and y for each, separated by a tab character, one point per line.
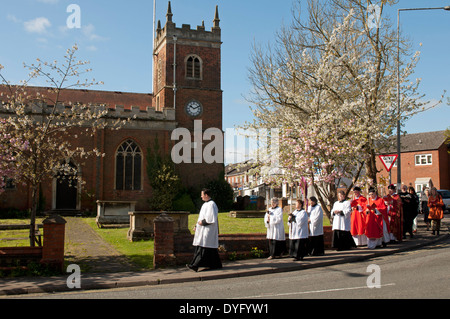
187	73
425	160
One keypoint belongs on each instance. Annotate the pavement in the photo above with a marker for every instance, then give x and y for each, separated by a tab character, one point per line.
115	277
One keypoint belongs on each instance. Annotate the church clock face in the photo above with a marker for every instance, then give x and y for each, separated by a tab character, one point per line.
194	108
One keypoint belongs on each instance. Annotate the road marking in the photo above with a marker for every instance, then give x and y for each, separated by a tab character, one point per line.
309	292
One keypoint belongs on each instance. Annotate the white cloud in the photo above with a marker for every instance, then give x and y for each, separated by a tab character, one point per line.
89	33
91	48
38	25
13	18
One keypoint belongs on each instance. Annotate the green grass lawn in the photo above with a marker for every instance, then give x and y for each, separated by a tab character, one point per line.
230	225
20	236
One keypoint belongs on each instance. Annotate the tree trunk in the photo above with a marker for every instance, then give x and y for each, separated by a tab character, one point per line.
320	197
354	180
371	168
35	202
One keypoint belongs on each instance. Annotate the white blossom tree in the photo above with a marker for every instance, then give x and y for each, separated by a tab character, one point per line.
8	169
330	80
47	124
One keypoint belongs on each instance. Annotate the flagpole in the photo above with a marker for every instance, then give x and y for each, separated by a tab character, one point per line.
153	43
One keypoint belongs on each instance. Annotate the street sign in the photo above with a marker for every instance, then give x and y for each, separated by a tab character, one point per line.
388	160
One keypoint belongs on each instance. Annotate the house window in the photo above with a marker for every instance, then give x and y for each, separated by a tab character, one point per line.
424	159
193	67
128	166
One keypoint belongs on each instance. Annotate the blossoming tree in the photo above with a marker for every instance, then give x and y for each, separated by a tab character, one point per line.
329	85
8	145
43	122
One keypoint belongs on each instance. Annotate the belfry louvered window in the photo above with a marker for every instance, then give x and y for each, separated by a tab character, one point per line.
128	166
193	67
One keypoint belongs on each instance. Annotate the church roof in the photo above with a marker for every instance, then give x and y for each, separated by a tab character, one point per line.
111	99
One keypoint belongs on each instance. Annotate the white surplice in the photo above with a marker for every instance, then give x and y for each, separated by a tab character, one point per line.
273	219
207	236
341	222
298	228
316	220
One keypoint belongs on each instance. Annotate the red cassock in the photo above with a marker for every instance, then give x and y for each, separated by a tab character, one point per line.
394	208
374	222
358	217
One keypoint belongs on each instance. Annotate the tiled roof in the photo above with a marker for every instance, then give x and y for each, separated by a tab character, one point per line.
416	142
238	168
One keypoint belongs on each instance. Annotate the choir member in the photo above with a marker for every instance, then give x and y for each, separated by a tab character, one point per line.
206	237
298	232
358	217
394	209
374	220
315	214
273	221
341	216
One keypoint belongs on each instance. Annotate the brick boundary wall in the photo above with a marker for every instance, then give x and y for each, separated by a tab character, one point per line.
12	257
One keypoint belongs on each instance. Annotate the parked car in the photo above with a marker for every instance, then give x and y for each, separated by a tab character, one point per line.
446	199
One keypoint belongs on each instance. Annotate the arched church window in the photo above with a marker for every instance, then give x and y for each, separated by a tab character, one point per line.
128	166
193	67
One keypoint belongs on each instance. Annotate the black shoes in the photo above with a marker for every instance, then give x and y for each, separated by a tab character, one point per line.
192	267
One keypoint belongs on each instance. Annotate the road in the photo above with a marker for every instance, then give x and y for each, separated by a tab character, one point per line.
418	274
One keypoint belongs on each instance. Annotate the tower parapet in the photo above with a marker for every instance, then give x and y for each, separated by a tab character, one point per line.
199	35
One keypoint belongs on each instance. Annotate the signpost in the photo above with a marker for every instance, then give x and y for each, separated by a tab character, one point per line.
388	162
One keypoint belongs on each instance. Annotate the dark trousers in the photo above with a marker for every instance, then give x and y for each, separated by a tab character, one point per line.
206	257
298	248
276	247
316	245
342	240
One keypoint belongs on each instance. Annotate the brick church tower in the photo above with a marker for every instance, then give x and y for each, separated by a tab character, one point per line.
187	77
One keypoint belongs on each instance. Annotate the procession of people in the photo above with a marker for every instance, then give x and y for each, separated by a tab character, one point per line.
370	222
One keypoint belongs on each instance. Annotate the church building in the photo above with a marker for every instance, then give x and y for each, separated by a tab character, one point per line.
186	88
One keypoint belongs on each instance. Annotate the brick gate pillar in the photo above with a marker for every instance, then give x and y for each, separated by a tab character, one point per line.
53	247
163	242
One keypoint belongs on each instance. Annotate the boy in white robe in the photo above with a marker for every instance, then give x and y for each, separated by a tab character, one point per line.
298	232
206	237
273	220
341	217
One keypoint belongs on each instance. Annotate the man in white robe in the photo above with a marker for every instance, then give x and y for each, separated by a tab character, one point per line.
206	237
298	232
315	213
341	216
273	220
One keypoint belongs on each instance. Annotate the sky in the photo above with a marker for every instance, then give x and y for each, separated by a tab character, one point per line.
116	37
